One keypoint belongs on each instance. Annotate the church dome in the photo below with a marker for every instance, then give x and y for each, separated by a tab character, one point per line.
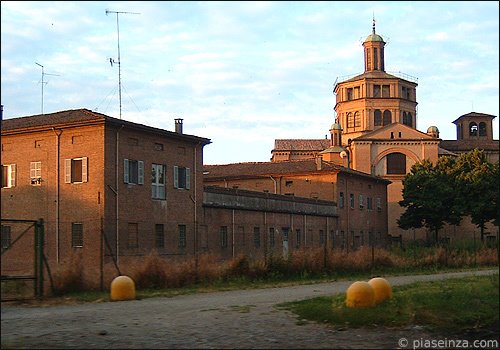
336	126
432	130
374	37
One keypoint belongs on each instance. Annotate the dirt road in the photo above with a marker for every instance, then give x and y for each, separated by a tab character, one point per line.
236	319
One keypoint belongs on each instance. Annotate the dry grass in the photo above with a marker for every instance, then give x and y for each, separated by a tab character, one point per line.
67	277
156	272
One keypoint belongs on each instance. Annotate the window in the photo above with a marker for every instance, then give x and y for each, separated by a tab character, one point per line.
341	199
482	129
387	117
297	237
375	58
361	201
349	94
350	120
322	238
379	204
77	235
75	170
288	183
351	200
472	129
159	236
256	237
8	175
182	236
6	237
182	177
357	119
271	236
376	90
406	92
285	233
223	236
133	235
407	119
386	92
158	172
396	163
369	203
159	146
377	116
133	171
36	173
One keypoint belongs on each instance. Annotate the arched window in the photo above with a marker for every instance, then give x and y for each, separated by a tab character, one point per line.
396	163
482	129
350	120
387	117
377	115
472	129
357	120
407	119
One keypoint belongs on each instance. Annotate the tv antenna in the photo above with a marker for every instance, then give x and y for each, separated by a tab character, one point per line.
44	82
111	60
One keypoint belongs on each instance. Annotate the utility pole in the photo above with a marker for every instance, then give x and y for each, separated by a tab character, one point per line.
119	61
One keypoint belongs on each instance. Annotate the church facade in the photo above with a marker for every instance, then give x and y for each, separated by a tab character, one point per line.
375	132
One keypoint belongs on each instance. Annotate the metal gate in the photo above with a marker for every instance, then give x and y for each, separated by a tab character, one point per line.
22	259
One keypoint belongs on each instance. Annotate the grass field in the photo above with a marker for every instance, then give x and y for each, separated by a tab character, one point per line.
450	306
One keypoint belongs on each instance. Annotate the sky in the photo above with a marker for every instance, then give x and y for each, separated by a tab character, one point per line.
243	74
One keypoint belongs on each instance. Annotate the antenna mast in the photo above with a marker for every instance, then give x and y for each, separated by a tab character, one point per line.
119	61
43	75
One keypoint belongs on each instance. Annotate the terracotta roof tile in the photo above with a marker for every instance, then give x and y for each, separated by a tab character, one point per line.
301	144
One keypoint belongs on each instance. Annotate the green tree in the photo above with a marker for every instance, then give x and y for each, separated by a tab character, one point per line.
429	196
478	188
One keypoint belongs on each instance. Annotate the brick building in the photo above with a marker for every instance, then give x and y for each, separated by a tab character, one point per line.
113	191
361	198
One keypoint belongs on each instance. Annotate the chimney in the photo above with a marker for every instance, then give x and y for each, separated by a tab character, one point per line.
319	162
178	125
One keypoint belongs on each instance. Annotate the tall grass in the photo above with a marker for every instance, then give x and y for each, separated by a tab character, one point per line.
155	272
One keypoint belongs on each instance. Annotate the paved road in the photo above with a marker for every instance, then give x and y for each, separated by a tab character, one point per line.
235	319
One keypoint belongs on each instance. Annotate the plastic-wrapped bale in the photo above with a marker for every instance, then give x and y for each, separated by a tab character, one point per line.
122	288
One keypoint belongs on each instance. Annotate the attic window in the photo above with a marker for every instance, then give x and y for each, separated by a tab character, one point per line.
288	183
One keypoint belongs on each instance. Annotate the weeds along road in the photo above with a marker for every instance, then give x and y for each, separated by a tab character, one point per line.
236	319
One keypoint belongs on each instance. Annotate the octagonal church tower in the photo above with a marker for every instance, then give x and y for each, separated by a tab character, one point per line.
377	114
374	99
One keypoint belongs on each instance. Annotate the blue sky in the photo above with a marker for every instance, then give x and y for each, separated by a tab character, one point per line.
243	73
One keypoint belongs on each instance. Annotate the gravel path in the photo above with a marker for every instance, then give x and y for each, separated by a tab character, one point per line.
235	319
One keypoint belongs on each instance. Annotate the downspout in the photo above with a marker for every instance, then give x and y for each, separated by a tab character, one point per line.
232	229
275	184
195	206
58	181
117	184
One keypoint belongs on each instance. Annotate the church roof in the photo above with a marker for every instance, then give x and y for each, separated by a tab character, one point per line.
266	169
467	145
301	144
474	115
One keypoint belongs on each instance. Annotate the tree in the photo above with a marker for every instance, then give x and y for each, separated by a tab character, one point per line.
429	196
478	188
